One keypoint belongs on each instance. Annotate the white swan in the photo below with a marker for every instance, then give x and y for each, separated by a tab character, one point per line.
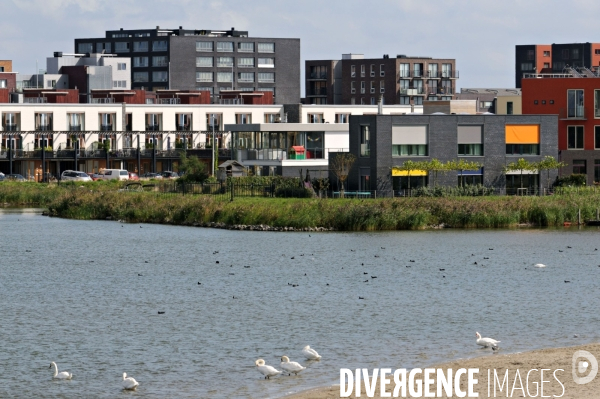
291	367
310	354
539	265
486	342
62	375
129	383
267	371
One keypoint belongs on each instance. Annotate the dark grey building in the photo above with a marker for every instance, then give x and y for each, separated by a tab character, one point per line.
383	141
184	59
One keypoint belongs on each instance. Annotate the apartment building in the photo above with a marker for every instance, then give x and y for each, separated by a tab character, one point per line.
555	58
494	100
8	80
402	80
576	101
208	60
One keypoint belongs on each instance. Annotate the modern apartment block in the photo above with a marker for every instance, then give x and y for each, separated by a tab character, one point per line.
555	58
402	80
211	60
493	100
576	101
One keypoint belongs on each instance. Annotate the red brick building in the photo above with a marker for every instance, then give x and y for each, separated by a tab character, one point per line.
576	101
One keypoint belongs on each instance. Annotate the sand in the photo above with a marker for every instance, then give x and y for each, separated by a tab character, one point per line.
560	358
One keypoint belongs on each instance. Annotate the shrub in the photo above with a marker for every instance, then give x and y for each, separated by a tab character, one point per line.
573	180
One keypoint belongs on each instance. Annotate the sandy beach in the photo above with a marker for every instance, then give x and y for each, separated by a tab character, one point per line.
553	359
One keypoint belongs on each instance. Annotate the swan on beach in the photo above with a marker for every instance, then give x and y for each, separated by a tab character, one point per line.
129	383
486	342
62	375
539	265
267	371
291	367
310	353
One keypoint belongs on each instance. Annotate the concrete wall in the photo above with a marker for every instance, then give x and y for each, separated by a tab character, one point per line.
501	104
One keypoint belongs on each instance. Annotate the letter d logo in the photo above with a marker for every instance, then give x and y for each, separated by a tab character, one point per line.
581	366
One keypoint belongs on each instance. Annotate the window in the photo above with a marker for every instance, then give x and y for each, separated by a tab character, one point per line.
596	170
530	54
546	54
546	65
597	103
352	88
575	53
432	70
225	62
43	121
579	166
575	137
103	47
121	47
470	150
486	104
382	86
266	77
372	84
140	76
362	87
120	83
204	76
372	70
224	77
225	47
342	118
558	65
160	76
266	47
522	139
470	140
526	66
381	69
597	51
204	46
243	119
117	35
204	62
121	66
85	48
404	100
365	141
409	150
404	70
565	54
247	77
418	100
352	71
244	62
418	71
246	47
266	62
140	61
272	118
159	45
522	149
315	118
509	108
140	46
362	71
373	101
575	104
597	137
160	61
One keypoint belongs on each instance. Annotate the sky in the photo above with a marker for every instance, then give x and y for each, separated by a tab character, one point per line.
480	35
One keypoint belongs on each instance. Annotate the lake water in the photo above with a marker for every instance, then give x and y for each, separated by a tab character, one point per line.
71	292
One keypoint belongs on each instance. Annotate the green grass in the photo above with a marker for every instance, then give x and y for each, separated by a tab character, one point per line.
100	200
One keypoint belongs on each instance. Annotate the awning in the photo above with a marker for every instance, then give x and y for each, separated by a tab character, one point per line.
416	172
522	134
298	149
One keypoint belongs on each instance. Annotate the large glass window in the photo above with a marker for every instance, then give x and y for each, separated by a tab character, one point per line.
522	149
225	47
597	137
575	137
266	62
575	103
579	166
224	76
247	77
85	48
408	150
365	138
159	45
140	76
245	62
404	70
266	47
597	171
246	47
204	62
204	46
404	100
140	46
225	62
470	149
160	61
160	76
204	76
121	47
342	118
597	103
140	61
268	77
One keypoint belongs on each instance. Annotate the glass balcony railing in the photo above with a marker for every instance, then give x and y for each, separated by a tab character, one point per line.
106	128
11	127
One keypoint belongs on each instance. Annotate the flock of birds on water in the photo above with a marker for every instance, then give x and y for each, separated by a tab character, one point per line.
128	383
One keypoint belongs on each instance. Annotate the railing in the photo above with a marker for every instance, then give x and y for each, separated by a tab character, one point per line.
322	91
11	127
321	75
106	128
418	74
43	128
434	74
440	90
280	154
572	113
153	128
449	74
412	91
404	74
75	128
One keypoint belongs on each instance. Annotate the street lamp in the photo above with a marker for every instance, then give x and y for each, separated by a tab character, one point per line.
212	124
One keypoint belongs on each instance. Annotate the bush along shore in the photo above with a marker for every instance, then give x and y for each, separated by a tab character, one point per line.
329	214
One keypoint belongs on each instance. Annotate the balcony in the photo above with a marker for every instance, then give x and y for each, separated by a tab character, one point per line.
573	113
153	128
403	74
449	74
75	128
442	91
43	128
106	128
418	73
434	74
318	75
412	91
322	91
11	127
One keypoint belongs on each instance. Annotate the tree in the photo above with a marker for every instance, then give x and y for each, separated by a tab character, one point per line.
409	166
461	165
192	169
520	166
434	166
340	165
549	163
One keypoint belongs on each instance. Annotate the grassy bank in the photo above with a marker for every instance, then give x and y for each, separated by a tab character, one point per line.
100	201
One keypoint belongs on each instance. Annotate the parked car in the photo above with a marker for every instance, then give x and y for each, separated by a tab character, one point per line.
73	175
150	175
169	175
2	177
111	174
133	176
94	176
15	177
